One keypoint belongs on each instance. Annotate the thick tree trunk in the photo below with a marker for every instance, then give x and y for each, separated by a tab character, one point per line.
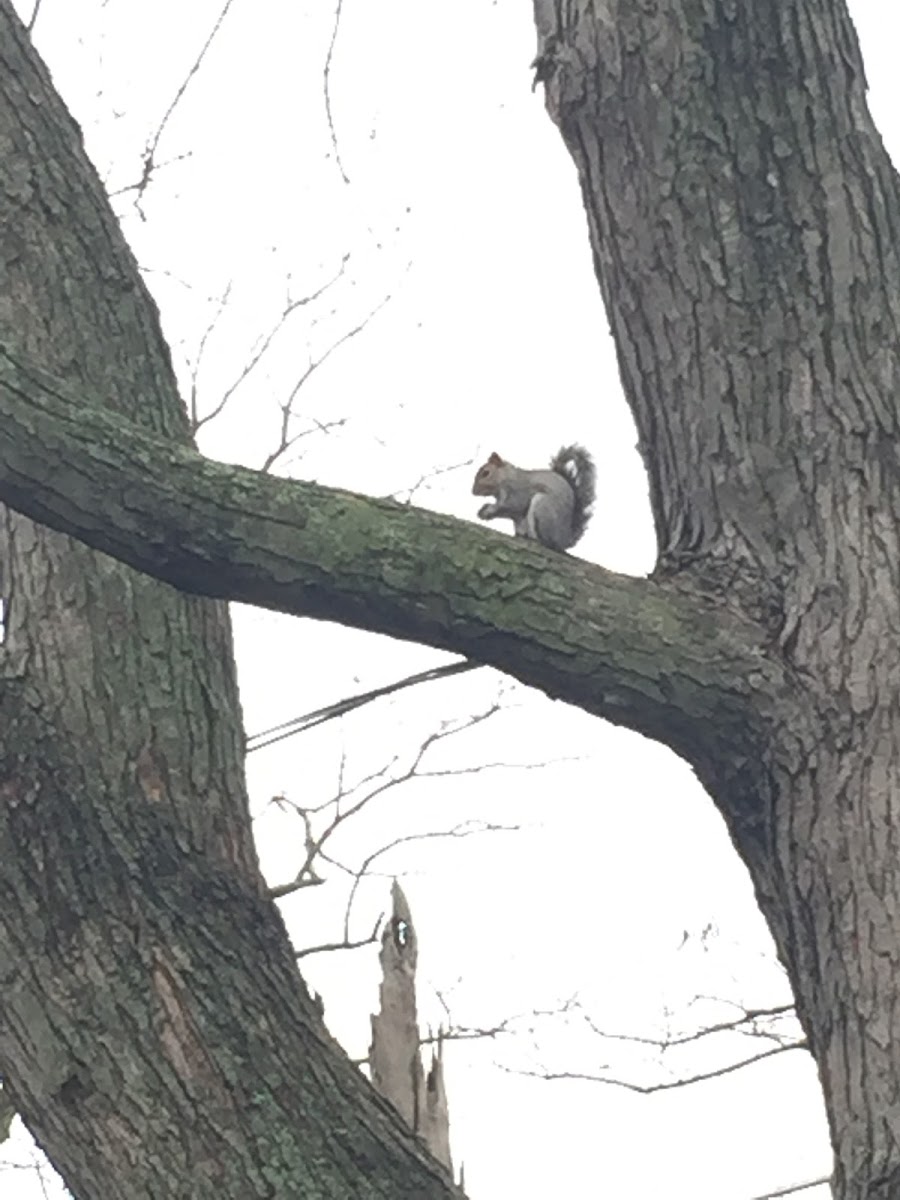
745	223
154	1032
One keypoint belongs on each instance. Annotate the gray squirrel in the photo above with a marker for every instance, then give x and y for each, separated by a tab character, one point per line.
551	506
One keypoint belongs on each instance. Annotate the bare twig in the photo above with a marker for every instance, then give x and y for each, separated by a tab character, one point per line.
39	1169
314	847
285	442
327	87
259	351
277	733
794	1188
508	1025
410	492
346	944
462	1033
36	1166
746	1024
466	829
221	305
287	408
140	184
666	1086
34	16
149	161
307	875
347	802
182	283
279	891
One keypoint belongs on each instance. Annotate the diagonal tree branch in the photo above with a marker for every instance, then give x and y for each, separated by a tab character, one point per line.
638	652
794	1188
277	733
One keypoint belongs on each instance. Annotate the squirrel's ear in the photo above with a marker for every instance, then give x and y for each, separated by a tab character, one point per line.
495	459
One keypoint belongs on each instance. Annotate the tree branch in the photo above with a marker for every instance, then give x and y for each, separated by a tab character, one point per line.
277	733
639	652
794	1188
668	1085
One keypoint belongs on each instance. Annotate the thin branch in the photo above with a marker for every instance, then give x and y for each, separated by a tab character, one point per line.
409	492
34	16
221	305
748	1017
794	1188
285	442
467	829
507	1026
307	875
165	273
149	160
327	87
140	184
463	1033
650	1088
262	345
39	1168
286	889
277	733
396	781
363	793
346	944
287	408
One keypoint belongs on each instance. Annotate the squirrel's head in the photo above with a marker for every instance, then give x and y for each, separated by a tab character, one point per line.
485	476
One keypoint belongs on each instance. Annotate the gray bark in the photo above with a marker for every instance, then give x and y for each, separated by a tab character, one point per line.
744	220
154	1033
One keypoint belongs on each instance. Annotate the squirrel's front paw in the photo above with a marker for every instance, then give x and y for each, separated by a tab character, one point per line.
486	512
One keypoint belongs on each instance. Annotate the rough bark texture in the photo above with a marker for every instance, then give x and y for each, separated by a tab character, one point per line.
154	1032
745	223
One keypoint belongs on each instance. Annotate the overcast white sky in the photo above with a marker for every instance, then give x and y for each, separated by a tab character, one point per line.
462	207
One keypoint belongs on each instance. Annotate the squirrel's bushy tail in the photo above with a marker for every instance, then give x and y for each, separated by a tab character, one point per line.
577	467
